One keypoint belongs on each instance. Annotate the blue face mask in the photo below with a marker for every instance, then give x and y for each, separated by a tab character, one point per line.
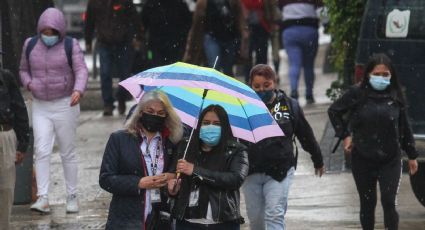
378	82
50	40
210	134
265	96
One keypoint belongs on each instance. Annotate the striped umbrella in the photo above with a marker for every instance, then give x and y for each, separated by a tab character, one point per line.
191	88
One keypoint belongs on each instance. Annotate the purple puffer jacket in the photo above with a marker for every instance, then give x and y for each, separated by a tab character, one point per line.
48	75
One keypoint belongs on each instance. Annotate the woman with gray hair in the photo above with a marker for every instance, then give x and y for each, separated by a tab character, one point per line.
136	161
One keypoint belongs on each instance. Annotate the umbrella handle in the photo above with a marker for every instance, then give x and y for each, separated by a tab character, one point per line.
175	184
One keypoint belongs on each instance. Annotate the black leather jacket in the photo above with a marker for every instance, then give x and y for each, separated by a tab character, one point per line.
221	186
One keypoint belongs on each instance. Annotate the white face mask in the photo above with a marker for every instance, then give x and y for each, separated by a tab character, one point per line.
50	40
210	134
379	82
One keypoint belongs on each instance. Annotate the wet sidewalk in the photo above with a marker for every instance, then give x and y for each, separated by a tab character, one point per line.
330	202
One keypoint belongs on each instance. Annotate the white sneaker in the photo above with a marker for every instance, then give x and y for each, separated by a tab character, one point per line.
41	205
72	204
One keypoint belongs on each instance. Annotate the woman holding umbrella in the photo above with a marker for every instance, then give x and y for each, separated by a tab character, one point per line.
135	163
207	194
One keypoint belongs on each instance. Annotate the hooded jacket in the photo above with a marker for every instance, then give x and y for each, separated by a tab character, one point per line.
47	74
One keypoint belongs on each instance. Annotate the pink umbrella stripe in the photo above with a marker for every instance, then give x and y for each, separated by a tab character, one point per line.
267	131
131	83
258	134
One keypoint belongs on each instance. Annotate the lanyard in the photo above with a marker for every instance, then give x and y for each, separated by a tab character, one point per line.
154	163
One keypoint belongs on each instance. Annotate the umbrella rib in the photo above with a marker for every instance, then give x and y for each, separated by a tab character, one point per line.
247	117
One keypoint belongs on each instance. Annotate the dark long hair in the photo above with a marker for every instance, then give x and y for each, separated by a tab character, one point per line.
226	132
394	87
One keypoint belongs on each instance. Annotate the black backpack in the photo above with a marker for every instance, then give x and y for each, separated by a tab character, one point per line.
293	110
67	44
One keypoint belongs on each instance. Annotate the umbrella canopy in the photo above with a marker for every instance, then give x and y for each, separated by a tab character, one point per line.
191	88
187	75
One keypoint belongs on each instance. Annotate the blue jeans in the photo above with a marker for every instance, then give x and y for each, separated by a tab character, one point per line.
110	56
185	225
225	51
301	44
267	200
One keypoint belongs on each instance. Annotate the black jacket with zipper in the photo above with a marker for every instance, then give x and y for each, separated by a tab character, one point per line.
221	187
274	156
121	170
377	122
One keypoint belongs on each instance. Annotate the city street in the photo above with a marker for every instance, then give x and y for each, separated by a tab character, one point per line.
330	202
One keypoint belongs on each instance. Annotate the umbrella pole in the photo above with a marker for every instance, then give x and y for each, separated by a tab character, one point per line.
188	142
196	121
184	154
215	62
191	132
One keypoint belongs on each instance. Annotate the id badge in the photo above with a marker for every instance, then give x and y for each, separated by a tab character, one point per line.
155	196
194	198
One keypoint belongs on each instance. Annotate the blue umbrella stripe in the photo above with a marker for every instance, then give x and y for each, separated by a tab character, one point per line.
241	88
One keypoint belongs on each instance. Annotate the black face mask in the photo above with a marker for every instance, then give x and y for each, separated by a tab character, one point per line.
152	123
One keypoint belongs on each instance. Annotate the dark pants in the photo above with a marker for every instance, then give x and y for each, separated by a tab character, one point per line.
165	53
226	52
258	43
113	57
185	225
366	175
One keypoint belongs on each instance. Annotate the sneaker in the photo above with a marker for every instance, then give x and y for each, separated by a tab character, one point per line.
107	110
121	107
41	205
72	204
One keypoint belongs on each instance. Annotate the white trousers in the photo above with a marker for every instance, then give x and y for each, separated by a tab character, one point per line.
55	119
7	176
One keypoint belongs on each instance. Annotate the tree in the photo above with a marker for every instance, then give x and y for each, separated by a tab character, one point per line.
345	20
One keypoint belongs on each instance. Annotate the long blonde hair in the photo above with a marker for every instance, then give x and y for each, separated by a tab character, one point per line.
172	121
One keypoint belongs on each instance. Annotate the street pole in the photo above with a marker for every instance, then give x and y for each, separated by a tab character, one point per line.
1	36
